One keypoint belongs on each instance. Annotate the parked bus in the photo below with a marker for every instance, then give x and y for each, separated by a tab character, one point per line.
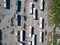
31	31
33	39
22	35
4	3
7	4
30	7
18	6
34	13
41	37
41	4
41	22
18	20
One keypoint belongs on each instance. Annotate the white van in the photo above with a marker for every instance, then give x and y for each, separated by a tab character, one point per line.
30	7
41	22
41	4
40	37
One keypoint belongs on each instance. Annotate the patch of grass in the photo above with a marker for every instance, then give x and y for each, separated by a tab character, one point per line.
54	41
50	41
53	14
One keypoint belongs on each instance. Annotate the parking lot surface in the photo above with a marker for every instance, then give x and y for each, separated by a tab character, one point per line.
9	32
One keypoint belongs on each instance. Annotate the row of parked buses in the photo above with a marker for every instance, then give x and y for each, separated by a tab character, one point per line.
41	6
33	36
7	4
34	12
17	16
21	36
17	6
41	20
18	22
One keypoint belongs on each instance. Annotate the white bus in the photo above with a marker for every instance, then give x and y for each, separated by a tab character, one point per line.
7	4
40	37
31	31
30	7
41	22
34	13
33	39
4	3
41	4
21	35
